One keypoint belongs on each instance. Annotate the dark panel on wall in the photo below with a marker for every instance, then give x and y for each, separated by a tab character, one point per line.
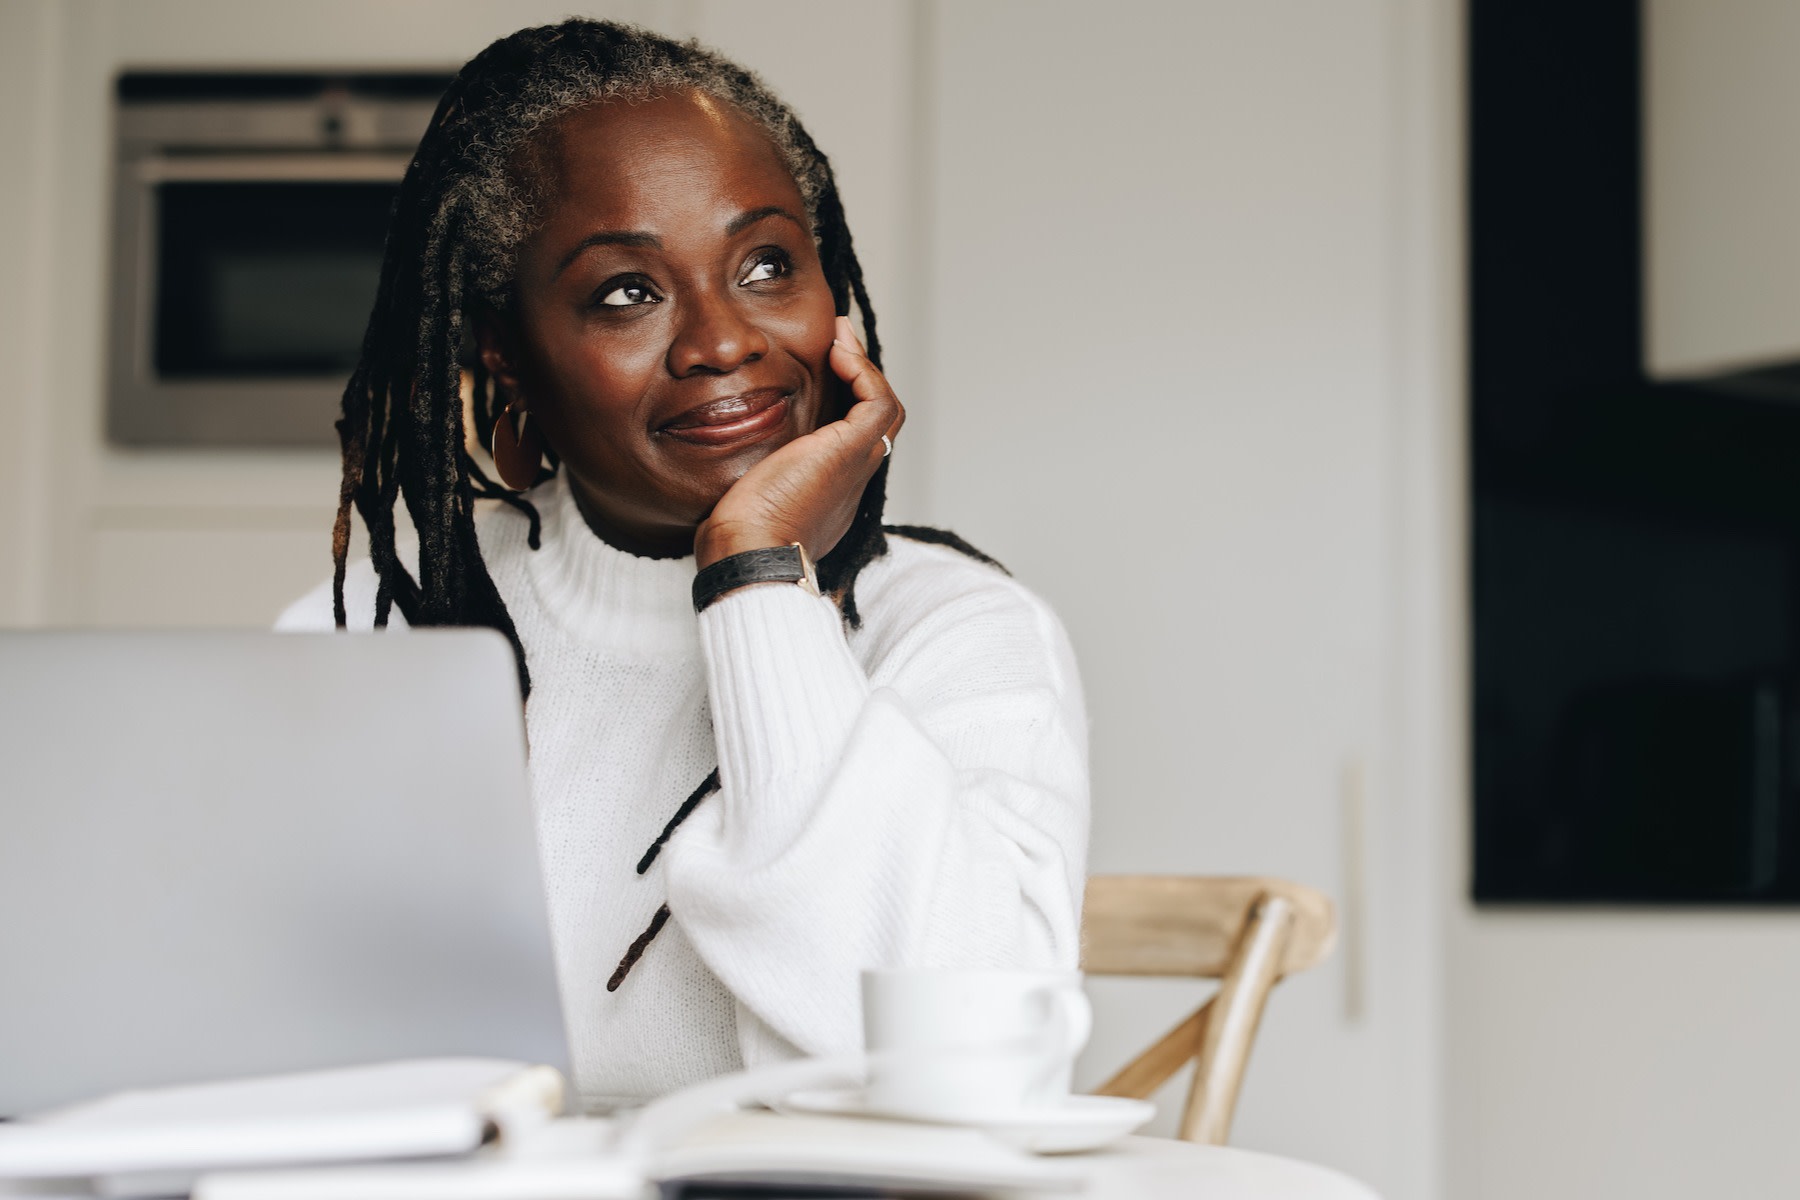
1634	545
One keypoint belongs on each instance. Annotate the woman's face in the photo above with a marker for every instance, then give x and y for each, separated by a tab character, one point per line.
672	323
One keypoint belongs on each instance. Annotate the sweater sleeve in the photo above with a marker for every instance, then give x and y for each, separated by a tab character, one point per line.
931	810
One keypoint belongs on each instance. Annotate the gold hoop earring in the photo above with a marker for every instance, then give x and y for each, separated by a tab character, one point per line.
518	453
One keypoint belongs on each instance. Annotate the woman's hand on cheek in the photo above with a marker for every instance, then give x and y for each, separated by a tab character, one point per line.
808	490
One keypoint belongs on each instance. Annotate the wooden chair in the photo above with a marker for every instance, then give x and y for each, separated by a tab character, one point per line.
1245	932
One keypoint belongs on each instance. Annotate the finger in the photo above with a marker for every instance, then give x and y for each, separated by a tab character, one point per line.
851	342
861	429
851	360
864	378
867	384
845	330
856	437
876	410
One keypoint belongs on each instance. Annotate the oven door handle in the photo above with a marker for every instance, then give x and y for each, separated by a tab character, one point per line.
273	168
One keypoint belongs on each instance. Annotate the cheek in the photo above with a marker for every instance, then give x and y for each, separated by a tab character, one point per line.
610	370
593	397
611	376
822	320
810	334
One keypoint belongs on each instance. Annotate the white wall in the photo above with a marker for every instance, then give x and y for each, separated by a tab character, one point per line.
1185	310
1722	184
1626	1054
28	45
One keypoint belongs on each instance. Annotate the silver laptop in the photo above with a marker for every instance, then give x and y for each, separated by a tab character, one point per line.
231	854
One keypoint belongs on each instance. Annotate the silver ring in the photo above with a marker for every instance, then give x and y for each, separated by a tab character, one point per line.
887	445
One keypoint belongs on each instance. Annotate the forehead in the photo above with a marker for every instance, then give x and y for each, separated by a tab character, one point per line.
643	164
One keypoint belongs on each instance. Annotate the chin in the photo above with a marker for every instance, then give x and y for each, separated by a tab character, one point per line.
739	464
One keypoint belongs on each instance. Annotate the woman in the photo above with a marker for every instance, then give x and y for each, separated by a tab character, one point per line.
643	257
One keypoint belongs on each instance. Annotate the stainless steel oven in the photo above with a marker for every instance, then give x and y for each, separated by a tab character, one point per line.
250	213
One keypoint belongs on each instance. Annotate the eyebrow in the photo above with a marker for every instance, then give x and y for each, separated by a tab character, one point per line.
606	237
745	220
621	237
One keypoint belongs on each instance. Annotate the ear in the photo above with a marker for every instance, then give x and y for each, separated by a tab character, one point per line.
497	342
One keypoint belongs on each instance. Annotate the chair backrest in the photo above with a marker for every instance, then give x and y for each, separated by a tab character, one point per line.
1246	932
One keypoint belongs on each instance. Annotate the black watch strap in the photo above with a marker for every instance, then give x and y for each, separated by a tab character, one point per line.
776	564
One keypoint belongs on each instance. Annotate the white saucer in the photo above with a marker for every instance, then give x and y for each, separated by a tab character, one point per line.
1072	1124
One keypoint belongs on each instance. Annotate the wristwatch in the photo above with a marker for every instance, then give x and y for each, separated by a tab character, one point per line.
776	564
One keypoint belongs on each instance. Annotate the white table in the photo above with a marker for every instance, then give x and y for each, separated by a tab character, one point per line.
756	1144
1134	1168
1144	1168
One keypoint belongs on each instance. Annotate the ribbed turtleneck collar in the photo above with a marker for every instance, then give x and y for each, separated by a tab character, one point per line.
601	595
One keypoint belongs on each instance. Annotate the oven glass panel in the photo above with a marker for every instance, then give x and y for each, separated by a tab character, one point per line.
266	278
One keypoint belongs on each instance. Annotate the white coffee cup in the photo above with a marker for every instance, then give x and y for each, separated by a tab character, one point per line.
970	1045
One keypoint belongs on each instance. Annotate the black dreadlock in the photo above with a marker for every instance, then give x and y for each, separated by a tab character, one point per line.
468	199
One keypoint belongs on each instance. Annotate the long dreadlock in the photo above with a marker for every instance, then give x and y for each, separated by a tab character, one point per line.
468	199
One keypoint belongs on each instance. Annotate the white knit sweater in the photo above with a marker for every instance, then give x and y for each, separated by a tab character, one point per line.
913	793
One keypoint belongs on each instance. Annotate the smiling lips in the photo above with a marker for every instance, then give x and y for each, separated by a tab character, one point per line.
731	420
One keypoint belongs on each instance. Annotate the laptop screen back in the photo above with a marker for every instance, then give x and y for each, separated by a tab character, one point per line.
230	854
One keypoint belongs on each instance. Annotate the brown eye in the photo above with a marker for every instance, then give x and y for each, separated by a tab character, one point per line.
768	264
625	293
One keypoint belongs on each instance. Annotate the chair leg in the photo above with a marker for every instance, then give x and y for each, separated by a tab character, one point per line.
1140	1078
1237	1010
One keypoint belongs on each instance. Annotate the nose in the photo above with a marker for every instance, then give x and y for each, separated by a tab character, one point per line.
715	337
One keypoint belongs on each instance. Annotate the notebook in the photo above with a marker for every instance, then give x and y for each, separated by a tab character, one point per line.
158	1140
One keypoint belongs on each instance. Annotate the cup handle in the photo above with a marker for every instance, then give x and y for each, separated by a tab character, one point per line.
1079	1020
